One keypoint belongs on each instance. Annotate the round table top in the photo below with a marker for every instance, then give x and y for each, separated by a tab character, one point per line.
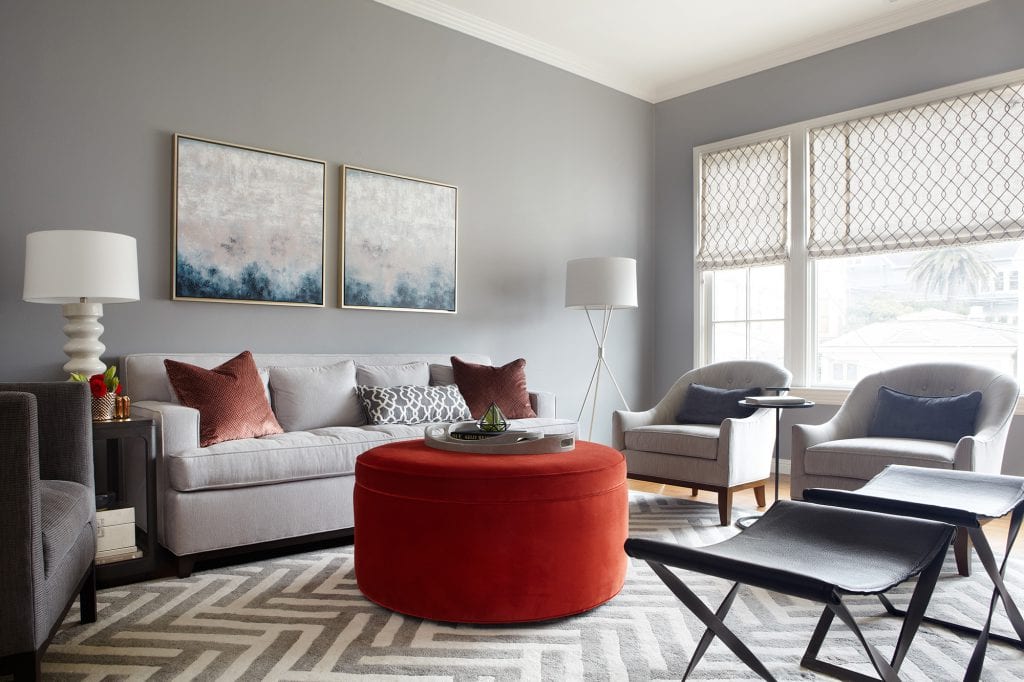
779	406
413	468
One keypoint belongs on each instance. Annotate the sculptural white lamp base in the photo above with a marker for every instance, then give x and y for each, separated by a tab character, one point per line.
604	284
83	330
81	270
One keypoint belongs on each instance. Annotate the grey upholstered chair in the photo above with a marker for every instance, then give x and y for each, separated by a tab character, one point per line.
840	453
725	457
48	511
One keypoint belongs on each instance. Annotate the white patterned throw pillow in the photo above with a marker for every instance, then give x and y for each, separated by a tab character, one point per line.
412	404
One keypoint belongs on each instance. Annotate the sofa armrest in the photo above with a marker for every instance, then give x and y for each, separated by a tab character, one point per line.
544	404
178	425
623	420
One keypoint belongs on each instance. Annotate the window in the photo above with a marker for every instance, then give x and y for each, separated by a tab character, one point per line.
903	238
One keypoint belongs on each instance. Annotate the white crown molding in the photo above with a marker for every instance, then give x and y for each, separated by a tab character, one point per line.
438	12
470	24
902	18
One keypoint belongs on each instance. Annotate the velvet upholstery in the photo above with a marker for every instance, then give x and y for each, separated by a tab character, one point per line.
490	538
504	386
841	454
900	415
710	405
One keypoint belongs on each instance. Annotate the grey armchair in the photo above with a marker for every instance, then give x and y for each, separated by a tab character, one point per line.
839	453
723	458
48	508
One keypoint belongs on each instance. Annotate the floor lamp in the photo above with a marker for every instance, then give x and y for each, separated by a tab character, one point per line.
604	284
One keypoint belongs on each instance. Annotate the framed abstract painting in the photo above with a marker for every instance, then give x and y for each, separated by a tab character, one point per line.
248	225
399	242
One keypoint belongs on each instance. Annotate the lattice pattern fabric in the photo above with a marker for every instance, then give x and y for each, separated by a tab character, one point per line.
412	404
744	205
944	173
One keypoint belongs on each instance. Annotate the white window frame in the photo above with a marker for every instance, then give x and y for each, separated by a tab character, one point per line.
799	309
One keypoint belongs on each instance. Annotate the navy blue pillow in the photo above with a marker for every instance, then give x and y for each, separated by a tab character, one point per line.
900	415
710	405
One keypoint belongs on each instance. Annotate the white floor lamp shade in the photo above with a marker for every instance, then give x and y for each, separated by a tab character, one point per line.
605	284
81	270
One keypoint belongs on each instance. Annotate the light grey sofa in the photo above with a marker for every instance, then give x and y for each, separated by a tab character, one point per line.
279	489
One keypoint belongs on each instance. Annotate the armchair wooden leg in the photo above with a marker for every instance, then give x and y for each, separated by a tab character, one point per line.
725	507
87	597
759	496
693	492
185	564
25	666
962	551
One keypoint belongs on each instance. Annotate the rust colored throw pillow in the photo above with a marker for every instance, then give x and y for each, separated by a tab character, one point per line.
505	386
229	397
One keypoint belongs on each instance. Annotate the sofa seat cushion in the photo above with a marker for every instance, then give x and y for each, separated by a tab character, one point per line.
685	440
864	458
66	508
294	456
398	431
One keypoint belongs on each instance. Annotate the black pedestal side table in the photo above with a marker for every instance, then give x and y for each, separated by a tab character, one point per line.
112	432
962	498
745	521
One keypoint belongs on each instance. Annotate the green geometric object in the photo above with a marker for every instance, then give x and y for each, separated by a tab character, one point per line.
493	420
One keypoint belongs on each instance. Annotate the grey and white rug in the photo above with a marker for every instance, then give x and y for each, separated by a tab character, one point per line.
301	617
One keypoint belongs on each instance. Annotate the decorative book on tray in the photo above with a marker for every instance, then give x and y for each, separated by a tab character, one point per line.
769	400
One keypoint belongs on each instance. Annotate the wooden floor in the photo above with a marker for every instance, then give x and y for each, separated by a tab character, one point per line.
995	530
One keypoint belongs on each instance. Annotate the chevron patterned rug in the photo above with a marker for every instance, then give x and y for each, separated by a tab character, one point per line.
301	617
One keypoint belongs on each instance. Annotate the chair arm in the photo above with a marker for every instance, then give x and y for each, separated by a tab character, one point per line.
65	429
178	426
983	451
544	404
21	535
623	421
747	444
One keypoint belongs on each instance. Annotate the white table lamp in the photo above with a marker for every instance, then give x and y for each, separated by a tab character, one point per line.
82	270
604	284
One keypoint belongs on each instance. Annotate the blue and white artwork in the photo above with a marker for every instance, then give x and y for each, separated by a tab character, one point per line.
249	225
399	242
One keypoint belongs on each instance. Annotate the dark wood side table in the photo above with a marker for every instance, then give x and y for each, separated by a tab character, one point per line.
112	433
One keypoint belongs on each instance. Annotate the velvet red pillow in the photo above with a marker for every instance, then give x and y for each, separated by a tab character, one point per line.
229	397
505	386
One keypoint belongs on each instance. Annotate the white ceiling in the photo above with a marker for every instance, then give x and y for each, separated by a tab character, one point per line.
659	49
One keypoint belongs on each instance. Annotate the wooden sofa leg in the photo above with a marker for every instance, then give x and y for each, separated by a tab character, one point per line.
693	492
759	496
87	597
25	666
185	566
962	551
725	507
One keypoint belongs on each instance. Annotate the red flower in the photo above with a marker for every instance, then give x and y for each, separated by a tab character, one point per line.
117	391
97	385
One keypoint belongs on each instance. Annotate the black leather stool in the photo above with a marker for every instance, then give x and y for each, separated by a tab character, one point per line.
962	498
812	552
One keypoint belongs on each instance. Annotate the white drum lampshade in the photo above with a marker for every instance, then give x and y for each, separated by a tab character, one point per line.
81	270
601	283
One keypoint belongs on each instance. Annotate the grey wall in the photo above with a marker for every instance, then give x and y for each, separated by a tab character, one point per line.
549	167
980	41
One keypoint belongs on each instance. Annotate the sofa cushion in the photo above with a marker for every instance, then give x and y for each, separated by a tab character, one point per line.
412	404
901	415
314	397
319	453
230	398
66	509
441	375
409	374
264	377
504	386
711	405
864	458
685	440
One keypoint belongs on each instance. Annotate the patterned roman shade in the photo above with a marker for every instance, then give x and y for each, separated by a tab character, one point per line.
744	205
938	174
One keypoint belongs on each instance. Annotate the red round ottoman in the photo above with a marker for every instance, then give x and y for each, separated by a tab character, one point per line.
471	538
